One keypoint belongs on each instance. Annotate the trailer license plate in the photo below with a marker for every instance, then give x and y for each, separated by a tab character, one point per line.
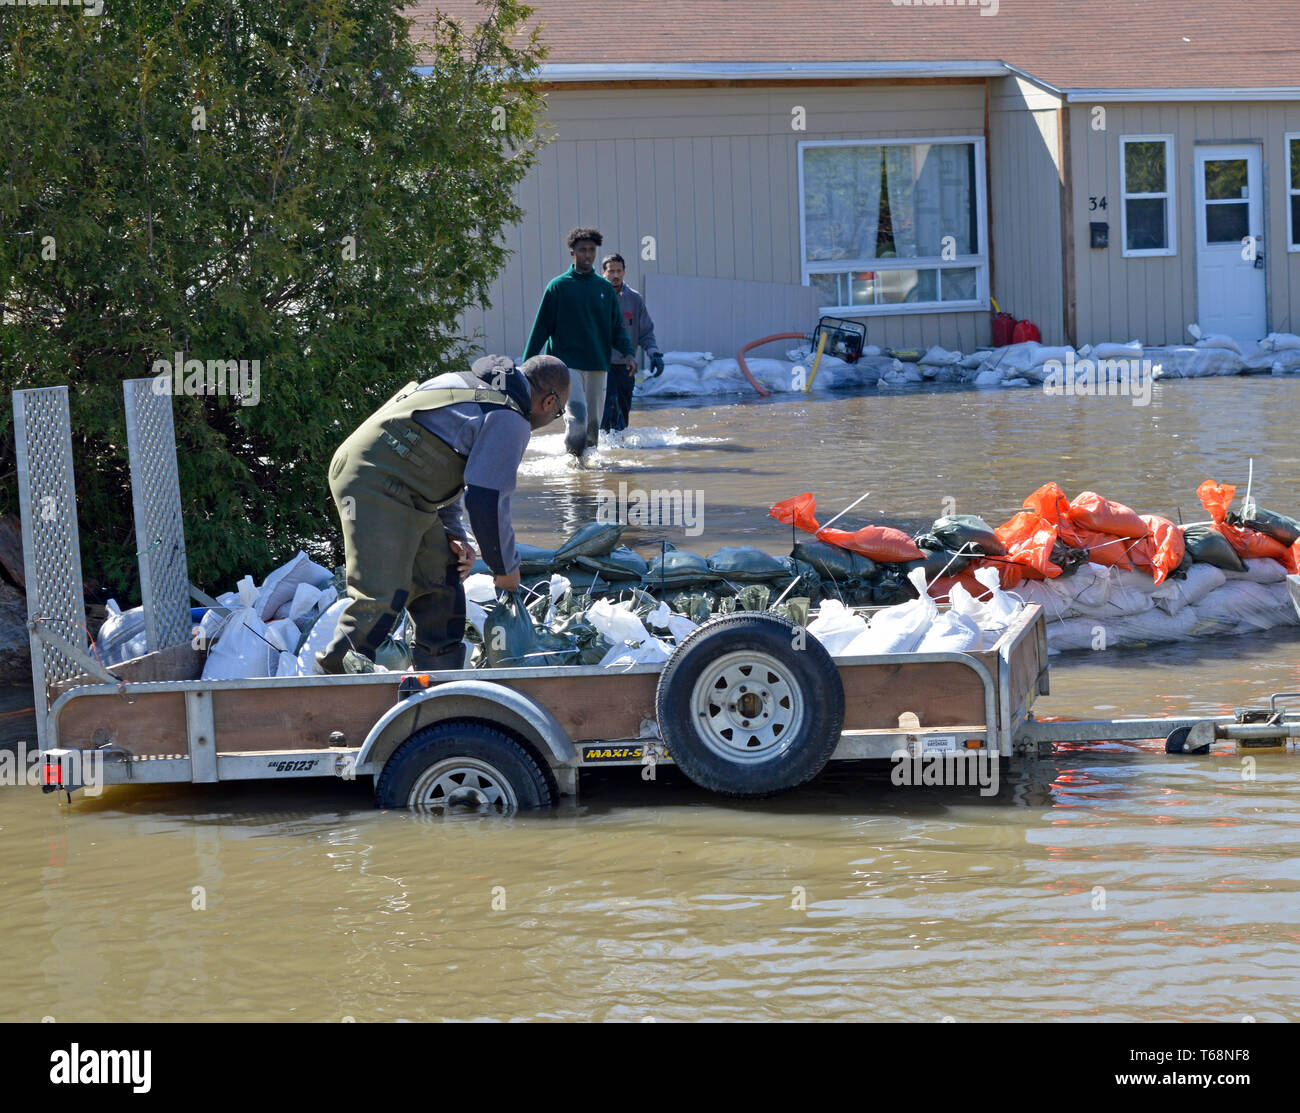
938	744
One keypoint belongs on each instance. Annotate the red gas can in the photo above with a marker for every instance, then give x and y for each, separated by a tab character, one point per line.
1003	326
1025	330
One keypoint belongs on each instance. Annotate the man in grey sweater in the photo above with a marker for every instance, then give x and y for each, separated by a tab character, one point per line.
641	329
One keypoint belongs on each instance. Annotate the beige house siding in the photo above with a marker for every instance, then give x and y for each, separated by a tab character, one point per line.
1025	204
712	174
1154	299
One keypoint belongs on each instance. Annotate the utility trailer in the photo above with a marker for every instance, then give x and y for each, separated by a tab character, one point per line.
747	705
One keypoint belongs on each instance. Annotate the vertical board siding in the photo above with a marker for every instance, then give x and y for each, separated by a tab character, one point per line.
712	175
1025	206
1154	299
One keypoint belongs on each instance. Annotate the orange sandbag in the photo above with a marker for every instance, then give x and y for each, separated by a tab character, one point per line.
1292	561
797	511
1102	548
1028	541
1093	512
1167	544
1249	543
1216	498
941	589
882	543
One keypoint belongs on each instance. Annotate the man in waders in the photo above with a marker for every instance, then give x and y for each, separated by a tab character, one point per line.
641	331
580	321
397	483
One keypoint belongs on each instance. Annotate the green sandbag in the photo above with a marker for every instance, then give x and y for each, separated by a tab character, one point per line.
935	564
795	609
593	539
678	568
1268	522
833	563
753	597
534	560
553	649
584	582
697	606
509	636
1208	546
746	564
594	651
966	533
620	564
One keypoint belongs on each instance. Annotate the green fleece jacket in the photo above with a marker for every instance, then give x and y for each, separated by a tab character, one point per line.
579	321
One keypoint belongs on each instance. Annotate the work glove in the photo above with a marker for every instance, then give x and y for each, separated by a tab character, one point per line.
656	364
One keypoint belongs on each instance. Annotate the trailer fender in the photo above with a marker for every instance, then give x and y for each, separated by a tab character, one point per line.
467	699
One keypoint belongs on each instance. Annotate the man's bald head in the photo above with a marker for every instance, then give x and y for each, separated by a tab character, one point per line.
548	379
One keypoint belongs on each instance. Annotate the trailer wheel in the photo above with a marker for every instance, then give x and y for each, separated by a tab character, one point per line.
463	766
1176	743
750	705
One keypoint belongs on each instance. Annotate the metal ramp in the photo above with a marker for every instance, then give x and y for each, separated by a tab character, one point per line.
47	500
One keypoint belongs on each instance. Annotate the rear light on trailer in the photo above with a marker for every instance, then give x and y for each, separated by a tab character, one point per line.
413	683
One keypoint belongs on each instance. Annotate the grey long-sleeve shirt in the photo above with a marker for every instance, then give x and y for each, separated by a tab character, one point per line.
636	320
492	439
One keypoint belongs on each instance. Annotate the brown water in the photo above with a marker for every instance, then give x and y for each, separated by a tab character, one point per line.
657	900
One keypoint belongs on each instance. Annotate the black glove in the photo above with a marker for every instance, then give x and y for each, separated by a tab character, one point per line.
656	364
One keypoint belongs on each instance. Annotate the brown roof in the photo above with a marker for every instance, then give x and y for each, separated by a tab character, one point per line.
1070	44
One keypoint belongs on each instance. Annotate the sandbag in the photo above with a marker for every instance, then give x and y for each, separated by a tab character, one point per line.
1271	524
936	564
1174	595
1090	510
122	636
1208	546
245	648
880	543
1247	543
1167	540
620	564
898	629
1029	542
836	627
279	587
1260	570
966	533
1216	498
509	637
834	563
678	568
747	564
952	632
592	539
1243	605
533	559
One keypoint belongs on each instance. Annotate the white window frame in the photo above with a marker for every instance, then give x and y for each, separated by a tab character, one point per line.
980	261
1291	231
1171	207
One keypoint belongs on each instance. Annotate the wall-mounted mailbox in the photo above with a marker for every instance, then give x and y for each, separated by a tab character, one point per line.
1100	233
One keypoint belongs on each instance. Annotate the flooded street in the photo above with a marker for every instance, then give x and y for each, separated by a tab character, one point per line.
1105	883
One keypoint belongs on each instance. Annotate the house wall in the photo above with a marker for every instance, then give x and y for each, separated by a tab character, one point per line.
1025	204
712	175
1154	299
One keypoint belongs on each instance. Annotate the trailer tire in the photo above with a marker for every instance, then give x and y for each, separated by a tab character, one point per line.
750	705
463	763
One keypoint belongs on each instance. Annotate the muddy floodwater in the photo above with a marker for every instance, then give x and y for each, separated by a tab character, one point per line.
1099	883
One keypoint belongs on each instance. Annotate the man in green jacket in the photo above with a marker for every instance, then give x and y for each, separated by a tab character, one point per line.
580	321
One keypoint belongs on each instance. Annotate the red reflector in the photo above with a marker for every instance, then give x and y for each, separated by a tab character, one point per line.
52	774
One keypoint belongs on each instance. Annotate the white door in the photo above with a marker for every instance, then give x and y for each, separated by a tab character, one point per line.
1229	274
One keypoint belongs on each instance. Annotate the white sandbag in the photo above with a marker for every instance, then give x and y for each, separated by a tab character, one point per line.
305	600
940	357
898	629
1134	578
319	637
278	588
480	589
1131	350
289	665
1019	380
1154	627
651	652
1074	634
1120	602
1219	340
951	632
1241	605
1285	363
688	359
975	359
1043	353
285	633
988	378
1000	610
1015	357
1195	363
836	626
947	374
617	623
1056	597
676	380
1280	341
1287	615
1259	570
244	649
775	374
1201	579
663	617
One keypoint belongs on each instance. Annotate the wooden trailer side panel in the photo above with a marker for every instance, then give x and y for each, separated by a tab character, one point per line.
940	695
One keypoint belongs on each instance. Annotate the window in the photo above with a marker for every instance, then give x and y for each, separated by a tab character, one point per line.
1293	190
1146	187
894	226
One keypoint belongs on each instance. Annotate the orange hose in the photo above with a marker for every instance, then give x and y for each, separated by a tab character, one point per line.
740	356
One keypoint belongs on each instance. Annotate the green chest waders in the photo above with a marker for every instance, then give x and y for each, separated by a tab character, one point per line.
389	479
